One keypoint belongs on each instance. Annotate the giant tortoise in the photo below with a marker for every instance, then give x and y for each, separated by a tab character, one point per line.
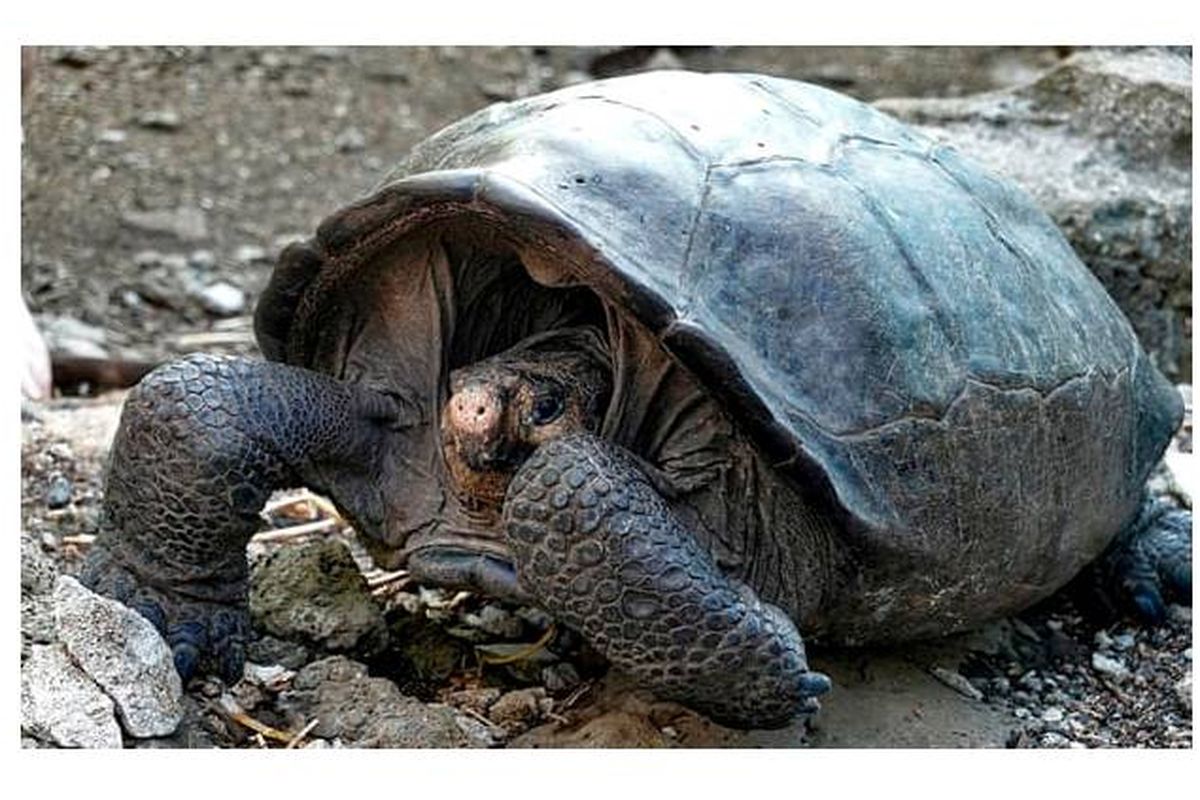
694	362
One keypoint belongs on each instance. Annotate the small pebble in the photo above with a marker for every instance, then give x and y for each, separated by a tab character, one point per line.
267	674
1054	739
350	140
165	119
1123	642
1030	681
112	136
223	299
250	253
1183	692
1053	714
58	493
496	621
146	259
202	259
1112	667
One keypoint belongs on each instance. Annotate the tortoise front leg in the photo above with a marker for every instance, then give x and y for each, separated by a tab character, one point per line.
202	443
596	546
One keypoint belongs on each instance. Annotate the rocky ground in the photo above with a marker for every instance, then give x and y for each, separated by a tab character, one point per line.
157	187
351	656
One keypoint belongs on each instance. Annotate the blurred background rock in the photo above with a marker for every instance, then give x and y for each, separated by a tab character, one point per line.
158	184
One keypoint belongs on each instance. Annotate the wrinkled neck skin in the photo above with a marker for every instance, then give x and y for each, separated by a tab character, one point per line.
425	307
428	309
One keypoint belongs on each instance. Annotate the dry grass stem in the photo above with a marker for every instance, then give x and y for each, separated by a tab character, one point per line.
305	731
296	531
230	708
520	655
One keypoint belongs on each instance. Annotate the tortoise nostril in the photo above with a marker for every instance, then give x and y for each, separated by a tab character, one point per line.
480	411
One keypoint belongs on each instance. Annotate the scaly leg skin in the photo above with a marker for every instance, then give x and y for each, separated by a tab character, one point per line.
598	548
1149	564
202	443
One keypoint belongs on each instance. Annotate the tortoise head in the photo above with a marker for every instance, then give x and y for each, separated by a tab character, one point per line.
503	408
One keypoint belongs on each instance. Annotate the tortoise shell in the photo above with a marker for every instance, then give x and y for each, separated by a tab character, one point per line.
895	327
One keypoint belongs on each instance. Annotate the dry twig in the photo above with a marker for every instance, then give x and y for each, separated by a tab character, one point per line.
296	531
305	731
230	708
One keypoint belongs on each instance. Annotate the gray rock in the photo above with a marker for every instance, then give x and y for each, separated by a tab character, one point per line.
61	704
222	299
363	711
37	622
1113	668
478	734
193	733
315	593
185	224
38	572
478	699
1183	692
495	620
1053	739
58	493
270	650
519	710
122	652
112	136
1103	143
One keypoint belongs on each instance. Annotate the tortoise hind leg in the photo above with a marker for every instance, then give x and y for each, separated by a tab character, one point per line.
596	546
1148	565
202	443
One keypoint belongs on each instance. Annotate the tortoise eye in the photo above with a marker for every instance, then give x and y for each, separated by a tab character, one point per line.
546	408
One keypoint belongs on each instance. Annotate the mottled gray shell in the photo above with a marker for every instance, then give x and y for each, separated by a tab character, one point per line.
887	321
